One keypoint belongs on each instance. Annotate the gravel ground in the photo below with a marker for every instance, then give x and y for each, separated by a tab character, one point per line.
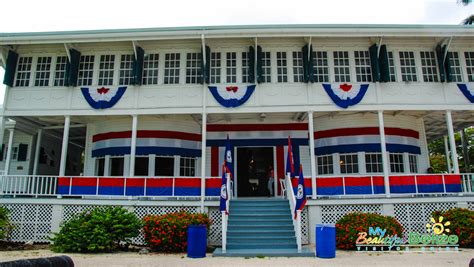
343	258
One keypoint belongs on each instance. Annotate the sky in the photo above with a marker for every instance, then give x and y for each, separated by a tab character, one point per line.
62	15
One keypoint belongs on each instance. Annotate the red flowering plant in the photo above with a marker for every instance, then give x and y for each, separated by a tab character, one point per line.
349	227
169	232
461	223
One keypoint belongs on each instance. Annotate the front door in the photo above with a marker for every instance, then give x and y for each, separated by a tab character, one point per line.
253	171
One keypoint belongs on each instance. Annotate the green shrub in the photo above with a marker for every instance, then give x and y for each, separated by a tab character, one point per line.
99	230
169	232
349	227
461	224
6	227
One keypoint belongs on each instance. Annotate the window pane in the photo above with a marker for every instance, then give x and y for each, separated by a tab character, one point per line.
43	67
172	65
126	69
187	166
106	70
282	67
298	67
341	66
320	67
141	166
193	68
23	72
150	69
362	64
86	70
164	166
428	66
100	166
231	67
116	166
469	65
407	66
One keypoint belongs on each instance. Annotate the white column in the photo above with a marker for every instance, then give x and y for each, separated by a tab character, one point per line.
203	159
311	152
62	164
2	129
452	142
133	145
107	165
384	153
446	154
37	151
9	151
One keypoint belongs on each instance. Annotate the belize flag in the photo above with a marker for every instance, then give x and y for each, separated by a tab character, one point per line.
290	167
228	158
300	192
224	192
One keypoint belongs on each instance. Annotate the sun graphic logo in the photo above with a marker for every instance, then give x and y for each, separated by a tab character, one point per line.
438	227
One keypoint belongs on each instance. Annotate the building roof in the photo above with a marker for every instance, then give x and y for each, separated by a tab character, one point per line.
242	31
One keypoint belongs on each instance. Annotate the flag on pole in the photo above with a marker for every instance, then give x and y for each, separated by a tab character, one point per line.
228	158
300	192
290	167
224	190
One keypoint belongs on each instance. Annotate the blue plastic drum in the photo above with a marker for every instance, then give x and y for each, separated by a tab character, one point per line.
325	240
197	241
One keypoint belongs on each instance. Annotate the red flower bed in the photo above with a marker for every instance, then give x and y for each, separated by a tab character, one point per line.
169	232
349	227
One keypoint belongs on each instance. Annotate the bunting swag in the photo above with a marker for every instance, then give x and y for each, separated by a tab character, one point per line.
103	98
466	91
232	96
345	95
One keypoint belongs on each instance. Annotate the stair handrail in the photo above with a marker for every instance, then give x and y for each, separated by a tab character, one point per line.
290	194
225	214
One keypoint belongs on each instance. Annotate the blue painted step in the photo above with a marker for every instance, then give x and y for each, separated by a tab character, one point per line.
306	252
288	227
278	245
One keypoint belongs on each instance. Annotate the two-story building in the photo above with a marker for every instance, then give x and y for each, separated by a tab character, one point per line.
140	118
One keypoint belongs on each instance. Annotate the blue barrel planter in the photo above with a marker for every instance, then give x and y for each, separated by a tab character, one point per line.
325	240
197	241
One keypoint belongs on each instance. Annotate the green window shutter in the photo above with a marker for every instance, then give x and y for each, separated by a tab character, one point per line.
205	68
72	68
310	65
137	68
374	62
447	66
22	151
440	60
384	67
259	64
251	64
305	52
1	152
10	69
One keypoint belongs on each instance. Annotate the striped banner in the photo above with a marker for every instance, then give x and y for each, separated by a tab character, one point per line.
164	143
366	139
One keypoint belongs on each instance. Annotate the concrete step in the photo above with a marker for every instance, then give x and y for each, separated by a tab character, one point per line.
244	227
289	245
270	240
306	252
260	209
289	232
266	216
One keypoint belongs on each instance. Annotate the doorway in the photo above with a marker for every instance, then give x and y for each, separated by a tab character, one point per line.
253	171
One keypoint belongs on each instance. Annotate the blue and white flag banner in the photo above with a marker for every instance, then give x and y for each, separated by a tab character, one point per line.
102	98
467	90
231	96
224	195
300	192
346	95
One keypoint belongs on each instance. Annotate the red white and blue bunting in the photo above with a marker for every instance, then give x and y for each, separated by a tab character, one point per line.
232	96
345	95
103	98
468	92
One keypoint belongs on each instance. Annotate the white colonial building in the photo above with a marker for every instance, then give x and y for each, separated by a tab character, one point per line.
140	118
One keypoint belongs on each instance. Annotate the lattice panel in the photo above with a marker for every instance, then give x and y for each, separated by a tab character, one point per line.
470	205
305	226
215	233
142	211
70	210
32	222
332	213
414	217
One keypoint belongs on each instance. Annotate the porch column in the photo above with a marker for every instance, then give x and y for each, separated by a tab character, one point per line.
2	129
383	149
311	152
62	164
37	151
9	151
452	142
446	154
203	159
133	145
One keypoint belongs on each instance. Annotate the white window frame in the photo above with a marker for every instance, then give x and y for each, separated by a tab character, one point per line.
91	71
363	69
414	76
379	165
325	55
351	165
42	74
469	67
193	68
155	64
216	67
337	77
176	70
59	75
231	67
456	69
126	69
392	66
27	80
329	167
429	66
413	165
108	71
396	167
281	66
297	66
187	167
